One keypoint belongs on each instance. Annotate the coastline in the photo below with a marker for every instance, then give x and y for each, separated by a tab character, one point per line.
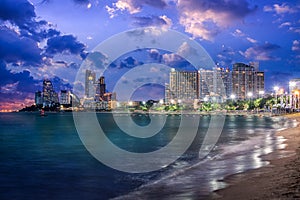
280	179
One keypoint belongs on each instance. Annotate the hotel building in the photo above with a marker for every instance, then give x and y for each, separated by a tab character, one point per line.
247	81
183	86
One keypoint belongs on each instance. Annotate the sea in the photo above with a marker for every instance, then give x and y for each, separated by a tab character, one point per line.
44	157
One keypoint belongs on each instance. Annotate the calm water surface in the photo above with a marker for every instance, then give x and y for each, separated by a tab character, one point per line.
43	158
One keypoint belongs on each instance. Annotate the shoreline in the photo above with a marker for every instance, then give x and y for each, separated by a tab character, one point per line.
280	179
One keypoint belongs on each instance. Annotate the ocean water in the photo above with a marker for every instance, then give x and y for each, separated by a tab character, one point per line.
44	158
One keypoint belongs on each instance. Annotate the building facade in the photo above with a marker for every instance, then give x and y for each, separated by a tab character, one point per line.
50	97
214	84
100	89
90	81
65	97
183	86
247	81
38	98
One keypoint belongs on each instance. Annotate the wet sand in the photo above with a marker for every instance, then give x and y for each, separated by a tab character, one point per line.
278	180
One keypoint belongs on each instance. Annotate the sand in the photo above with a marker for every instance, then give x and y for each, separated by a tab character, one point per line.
278	180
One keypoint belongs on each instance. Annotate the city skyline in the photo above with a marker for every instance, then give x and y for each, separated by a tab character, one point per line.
39	39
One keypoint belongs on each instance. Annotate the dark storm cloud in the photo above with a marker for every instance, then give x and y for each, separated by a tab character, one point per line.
14	48
65	44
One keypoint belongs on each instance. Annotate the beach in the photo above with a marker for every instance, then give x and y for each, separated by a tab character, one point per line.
278	180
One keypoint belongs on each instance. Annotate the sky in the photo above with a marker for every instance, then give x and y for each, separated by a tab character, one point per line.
50	39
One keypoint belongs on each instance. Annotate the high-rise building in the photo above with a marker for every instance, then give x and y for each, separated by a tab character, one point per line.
242	80
206	83
90	80
49	95
184	86
213	84
38	98
259	84
65	97
224	88
100	89
247	81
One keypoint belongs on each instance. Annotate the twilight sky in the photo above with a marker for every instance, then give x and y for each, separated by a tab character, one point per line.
50	38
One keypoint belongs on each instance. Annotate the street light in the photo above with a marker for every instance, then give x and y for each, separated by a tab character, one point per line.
130	103
250	94
232	96
161	101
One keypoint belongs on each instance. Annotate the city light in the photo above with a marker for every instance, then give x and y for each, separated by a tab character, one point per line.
250	94
205	99
172	101
292	83
232	96
144	102
161	101
179	101
276	88
130	103
261	92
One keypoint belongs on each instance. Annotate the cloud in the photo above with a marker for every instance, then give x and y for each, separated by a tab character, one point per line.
9	88
155	55
20	12
97	60
280	9
133	6
296	45
285	24
205	19
65	44
14	48
129	62
261	52
16	89
238	33
251	40
27	49
161	21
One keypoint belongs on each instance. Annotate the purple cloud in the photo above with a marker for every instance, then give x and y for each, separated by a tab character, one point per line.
206	19
261	52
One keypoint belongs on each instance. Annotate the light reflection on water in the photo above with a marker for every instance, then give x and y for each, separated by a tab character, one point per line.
43	158
198	181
